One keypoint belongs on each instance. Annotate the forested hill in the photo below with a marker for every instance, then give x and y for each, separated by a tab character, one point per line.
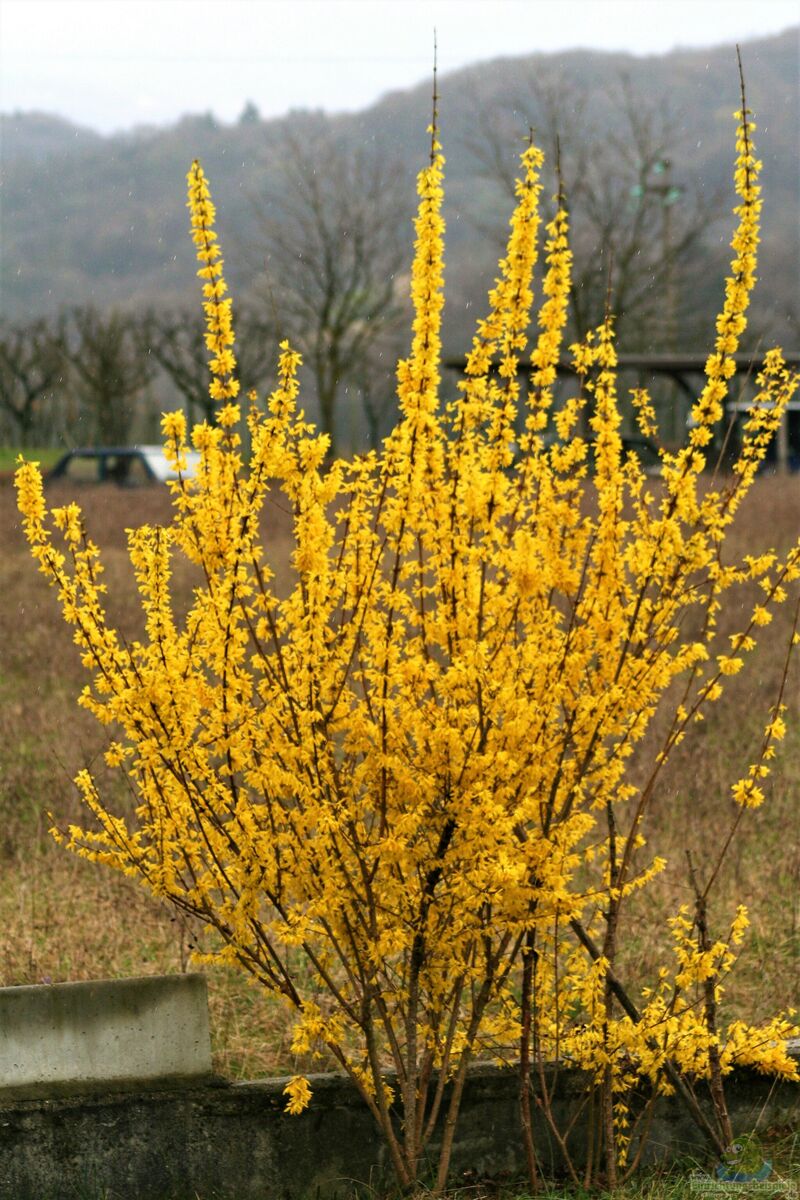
92	219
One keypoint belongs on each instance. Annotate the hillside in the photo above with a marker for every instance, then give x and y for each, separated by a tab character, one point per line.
92	219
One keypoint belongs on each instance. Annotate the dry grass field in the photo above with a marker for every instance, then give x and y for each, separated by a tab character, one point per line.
63	919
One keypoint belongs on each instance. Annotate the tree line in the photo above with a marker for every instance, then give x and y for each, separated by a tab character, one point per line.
331	248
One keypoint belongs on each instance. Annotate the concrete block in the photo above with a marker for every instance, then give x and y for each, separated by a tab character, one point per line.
131	1032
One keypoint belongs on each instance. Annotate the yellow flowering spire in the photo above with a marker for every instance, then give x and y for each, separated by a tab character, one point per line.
731	322
217	305
503	331
506	328
418	376
552	316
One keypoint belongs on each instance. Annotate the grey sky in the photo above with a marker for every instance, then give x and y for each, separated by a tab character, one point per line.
111	64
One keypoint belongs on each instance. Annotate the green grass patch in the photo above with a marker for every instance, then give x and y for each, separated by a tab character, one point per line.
46	456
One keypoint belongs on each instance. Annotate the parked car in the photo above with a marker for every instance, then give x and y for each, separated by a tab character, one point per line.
127	466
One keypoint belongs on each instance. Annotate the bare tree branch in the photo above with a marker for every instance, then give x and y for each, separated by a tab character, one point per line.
108	368
176	341
334	232
32	365
627	208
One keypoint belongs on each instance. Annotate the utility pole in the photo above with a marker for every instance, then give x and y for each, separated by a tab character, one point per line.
668	193
657	181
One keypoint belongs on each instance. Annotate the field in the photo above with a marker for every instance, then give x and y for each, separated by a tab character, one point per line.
46	457
65	919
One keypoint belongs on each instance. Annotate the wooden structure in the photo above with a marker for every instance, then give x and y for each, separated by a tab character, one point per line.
686	371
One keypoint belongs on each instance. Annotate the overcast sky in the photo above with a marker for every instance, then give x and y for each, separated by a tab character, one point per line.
112	64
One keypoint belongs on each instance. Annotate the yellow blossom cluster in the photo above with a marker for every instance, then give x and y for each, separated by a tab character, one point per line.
412	770
217	304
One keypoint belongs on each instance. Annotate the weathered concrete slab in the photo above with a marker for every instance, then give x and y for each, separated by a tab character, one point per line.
235	1142
77	1036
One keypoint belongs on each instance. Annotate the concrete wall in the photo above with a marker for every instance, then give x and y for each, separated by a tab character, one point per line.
81	1035
106	1093
234	1141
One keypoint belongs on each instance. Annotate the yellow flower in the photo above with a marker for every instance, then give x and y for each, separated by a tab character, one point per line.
219	337
298	1090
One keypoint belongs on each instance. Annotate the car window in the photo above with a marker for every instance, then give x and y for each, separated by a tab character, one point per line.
117	468
137	473
82	470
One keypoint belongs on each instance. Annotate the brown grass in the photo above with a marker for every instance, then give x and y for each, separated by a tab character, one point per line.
66	919
694	809
63	918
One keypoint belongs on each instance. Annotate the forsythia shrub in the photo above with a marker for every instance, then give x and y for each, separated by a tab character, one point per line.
400	793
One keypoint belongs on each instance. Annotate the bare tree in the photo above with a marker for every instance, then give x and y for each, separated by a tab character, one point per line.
374	381
109	370
176	342
32	366
633	221
335	234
